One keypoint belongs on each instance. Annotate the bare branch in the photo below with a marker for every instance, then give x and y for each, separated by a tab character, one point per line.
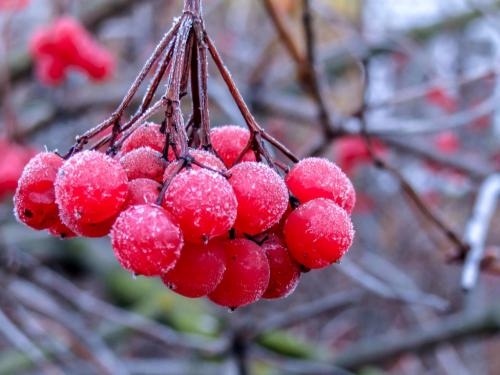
477	227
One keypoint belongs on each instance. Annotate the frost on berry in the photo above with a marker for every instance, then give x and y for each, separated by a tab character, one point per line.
285	272
142	191
143	162
313	178
202	202
246	277
261	194
198	271
318	233
34	200
90	188
145	240
229	141
205	158
147	135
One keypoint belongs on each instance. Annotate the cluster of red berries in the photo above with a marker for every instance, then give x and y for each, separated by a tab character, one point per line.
65	45
13	4
14	158
217	224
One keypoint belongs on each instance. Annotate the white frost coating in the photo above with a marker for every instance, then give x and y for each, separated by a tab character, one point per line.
260	188
203	202
147	135
228	141
476	229
323	179
143	162
88	181
145	240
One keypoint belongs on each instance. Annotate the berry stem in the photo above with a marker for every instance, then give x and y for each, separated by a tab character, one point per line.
116	116
240	102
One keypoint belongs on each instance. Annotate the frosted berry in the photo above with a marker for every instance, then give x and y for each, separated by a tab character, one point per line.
246	277
198	271
203	157
146	241
285	272
261	194
142	191
34	201
318	233
90	188
313	178
229	141
147	135
202	202
144	162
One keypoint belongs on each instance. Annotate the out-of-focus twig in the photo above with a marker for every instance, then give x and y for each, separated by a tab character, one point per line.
477	229
20	340
307	311
385	290
39	300
453	329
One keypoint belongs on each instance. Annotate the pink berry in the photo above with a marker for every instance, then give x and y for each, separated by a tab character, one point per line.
313	178
91	230
285	272
318	233
202	202
146	240
229	141
246	277
144	162
203	157
34	201
90	188
61	230
261	194
142	191
198	271
147	135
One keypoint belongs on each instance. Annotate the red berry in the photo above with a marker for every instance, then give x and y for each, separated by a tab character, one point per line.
351	152
285	272
318	233
13	4
229	141
202	202
246	277
205	158
90	188
41	43
92	230
198	271
34	201
12	163
144	162
313	178
147	135
59	229
50	71
447	142
142	191
146	240
261	194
